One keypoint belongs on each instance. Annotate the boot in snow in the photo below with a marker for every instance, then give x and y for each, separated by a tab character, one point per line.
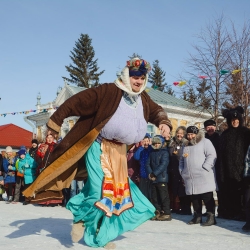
210	220
157	215
9	200
196	219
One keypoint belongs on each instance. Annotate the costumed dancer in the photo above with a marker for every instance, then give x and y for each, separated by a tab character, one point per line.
112	116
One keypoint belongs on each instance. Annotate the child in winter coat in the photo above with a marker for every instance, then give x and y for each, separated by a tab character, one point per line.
157	165
27	165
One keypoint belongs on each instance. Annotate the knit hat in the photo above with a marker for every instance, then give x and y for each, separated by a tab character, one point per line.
8	149
234	113
192	130
34	141
134	67
21	152
209	122
23	148
147	135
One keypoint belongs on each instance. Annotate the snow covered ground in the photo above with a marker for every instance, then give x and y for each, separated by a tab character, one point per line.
48	228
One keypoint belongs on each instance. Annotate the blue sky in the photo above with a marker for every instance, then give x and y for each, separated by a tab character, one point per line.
36	38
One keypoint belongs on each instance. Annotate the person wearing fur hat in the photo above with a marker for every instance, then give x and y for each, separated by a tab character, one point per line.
33	149
9	167
234	143
157	165
196	167
112	116
176	185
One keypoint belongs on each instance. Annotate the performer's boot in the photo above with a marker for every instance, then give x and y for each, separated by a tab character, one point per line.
110	245
77	231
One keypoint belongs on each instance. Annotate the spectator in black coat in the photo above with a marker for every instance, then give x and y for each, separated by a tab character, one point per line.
234	143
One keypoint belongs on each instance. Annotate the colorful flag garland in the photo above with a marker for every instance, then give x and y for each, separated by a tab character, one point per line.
222	72
28	111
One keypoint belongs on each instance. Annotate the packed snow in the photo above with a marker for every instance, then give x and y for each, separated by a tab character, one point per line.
36	227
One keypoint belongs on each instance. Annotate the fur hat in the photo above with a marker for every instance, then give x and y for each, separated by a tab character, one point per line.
21	152
209	122
8	149
192	130
233	113
156	139
34	141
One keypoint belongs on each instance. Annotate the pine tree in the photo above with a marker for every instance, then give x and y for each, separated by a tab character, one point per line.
84	69
169	91
191	96
203	98
135	55
157	77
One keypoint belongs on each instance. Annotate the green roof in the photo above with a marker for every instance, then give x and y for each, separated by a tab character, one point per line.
156	95
164	98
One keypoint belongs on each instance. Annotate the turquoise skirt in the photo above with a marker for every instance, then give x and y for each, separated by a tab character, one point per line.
83	208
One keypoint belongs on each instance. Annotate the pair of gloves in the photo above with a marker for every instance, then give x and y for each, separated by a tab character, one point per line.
152	177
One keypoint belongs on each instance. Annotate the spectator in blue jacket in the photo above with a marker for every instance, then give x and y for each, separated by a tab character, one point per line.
9	168
157	165
142	155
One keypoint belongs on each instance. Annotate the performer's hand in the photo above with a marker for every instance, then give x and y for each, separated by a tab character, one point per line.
165	130
10	167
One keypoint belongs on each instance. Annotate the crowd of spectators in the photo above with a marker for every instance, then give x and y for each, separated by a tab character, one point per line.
176	174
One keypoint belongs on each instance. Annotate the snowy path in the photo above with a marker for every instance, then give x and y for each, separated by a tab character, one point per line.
33	227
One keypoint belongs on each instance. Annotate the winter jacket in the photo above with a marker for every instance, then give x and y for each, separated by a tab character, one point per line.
234	143
157	164
175	180
28	167
197	165
10	174
33	151
1	165
142	155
